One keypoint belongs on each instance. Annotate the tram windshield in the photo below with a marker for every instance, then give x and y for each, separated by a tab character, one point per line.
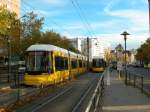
37	62
98	63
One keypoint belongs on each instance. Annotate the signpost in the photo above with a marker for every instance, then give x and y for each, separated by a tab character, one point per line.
119	67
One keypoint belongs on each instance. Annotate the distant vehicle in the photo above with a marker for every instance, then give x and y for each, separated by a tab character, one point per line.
98	65
139	65
114	64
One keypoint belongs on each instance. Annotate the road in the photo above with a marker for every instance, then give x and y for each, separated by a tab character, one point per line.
73	97
145	72
140	71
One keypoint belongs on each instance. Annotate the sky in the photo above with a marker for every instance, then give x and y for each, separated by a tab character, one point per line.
105	19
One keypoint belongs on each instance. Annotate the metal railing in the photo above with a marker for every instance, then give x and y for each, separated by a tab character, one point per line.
95	102
139	81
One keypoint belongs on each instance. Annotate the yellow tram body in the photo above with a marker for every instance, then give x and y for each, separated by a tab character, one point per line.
99	69
98	65
48	64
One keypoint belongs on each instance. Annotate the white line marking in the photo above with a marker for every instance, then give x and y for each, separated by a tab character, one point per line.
126	107
43	104
108	77
81	100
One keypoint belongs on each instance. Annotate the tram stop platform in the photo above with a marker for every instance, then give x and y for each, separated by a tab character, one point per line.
121	98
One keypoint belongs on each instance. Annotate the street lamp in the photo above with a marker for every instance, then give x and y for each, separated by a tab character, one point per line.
125	38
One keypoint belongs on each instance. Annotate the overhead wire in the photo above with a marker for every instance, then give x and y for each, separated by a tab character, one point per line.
82	19
54	22
85	18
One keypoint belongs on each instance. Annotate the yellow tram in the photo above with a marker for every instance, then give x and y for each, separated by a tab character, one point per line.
98	65
48	64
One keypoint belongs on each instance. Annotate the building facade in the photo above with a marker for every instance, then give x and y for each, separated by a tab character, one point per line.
96	47
12	5
77	43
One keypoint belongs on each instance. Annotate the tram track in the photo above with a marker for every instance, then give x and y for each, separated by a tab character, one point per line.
67	98
51	99
72	98
85	93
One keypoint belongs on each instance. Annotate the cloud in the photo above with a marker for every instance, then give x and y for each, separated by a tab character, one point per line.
46	13
135	19
133	41
55	2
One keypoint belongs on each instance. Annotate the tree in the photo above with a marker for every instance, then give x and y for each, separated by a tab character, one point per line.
8	28
51	37
143	52
7	19
28	31
108	55
32	25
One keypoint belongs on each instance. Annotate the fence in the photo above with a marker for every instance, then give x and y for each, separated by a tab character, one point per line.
96	100
11	77
140	81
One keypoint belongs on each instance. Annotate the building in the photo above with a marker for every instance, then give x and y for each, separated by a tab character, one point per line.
96	47
12	5
77	43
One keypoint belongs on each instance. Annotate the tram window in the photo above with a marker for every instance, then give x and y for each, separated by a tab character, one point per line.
80	63
37	61
74	63
51	63
84	65
66	63
61	63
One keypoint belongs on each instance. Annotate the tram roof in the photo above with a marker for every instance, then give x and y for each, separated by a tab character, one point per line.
46	47
72	54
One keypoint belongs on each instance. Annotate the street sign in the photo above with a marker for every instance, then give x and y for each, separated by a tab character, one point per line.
119	66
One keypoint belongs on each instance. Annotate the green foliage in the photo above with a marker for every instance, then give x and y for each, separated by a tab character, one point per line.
7	19
9	29
32	25
48	37
27	32
143	53
32	34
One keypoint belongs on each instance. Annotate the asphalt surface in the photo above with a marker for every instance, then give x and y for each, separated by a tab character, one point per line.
73	97
121	98
140	71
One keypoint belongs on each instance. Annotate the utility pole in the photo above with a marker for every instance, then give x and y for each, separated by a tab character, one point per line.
88	47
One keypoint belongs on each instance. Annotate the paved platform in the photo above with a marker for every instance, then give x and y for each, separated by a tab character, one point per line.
121	98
